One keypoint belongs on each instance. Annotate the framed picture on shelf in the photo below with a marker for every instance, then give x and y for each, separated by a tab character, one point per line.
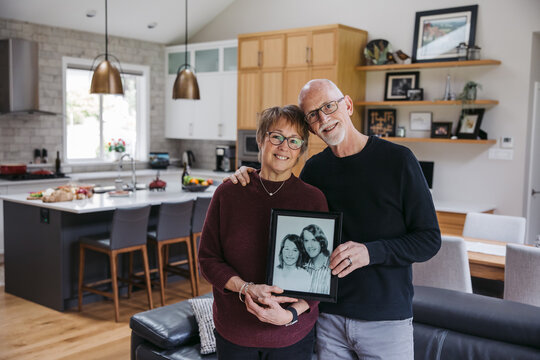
415	94
469	123
381	122
441	130
420	121
438	33
296	238
398	83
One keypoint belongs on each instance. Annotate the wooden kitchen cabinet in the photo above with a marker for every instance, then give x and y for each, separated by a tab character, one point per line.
214	116
285	60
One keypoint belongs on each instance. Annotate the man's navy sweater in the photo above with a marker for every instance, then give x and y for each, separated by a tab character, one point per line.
387	206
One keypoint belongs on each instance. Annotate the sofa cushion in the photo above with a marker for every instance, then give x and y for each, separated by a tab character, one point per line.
202	308
478	315
168	326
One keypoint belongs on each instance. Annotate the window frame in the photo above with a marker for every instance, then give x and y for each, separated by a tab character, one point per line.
143	108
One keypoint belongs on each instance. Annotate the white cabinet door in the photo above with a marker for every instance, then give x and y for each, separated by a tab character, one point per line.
180	115
227	119
209	106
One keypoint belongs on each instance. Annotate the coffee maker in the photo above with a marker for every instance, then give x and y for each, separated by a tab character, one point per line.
225	158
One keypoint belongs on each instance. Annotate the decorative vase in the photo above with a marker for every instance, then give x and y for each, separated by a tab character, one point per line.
117	156
471	93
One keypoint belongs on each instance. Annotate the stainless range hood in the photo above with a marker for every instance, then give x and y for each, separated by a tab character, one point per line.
19	77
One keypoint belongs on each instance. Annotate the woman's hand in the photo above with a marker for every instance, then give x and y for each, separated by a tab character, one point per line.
257	292
271	312
242	175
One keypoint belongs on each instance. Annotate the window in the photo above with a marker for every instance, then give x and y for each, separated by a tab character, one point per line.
92	120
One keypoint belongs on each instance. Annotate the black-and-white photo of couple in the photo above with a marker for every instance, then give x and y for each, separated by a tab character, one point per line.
303	256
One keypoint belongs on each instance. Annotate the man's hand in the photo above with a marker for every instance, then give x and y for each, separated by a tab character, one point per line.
261	291
339	260
270	312
242	175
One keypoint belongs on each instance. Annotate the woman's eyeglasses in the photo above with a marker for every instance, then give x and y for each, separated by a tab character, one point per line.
293	142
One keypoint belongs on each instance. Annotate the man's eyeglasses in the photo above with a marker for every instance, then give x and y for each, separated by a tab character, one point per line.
276	138
328	108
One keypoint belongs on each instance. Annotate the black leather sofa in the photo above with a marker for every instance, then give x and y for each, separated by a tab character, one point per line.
447	325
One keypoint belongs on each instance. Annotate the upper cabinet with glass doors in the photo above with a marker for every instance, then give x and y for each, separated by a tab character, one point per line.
213	117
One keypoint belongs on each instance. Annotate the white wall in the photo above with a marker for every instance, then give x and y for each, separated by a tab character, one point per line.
504	31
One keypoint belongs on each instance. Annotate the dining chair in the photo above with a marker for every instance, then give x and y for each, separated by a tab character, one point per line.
510	229
128	234
448	269
199	216
522	274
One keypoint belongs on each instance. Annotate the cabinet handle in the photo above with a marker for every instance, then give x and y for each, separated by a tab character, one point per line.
307	55
534	192
190	129
259	58
220	130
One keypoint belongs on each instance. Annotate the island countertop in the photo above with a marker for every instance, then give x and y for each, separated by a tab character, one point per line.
104	202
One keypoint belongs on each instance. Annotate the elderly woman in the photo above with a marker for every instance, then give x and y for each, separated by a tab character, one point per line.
316	246
251	322
290	273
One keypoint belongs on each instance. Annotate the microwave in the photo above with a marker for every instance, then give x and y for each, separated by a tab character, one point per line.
248	150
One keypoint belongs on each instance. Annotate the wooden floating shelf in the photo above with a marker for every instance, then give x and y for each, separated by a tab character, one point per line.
438	140
426	102
429	65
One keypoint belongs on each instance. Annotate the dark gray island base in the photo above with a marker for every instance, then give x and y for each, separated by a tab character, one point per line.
42	246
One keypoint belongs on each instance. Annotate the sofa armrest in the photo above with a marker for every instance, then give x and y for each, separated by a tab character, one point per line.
478	315
169	326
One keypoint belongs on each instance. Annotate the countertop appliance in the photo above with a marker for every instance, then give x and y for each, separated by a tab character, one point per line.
188	158
225	158
159	160
19	76
248	150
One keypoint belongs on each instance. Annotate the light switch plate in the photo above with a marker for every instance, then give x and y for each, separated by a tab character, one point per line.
501	154
507	142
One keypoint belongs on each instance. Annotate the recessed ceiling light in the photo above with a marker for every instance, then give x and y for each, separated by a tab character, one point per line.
151	25
91	13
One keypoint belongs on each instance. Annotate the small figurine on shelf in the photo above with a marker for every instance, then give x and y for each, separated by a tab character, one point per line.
448	93
402	58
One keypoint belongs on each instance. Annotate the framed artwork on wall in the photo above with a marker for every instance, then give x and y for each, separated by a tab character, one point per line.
442	130
381	122
398	83
420	121
438	33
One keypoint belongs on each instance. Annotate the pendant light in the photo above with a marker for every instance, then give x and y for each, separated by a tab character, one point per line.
106	78
186	86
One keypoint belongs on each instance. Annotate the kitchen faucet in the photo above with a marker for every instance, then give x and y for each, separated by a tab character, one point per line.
133	185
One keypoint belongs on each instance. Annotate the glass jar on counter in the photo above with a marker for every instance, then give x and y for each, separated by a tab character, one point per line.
473	52
400	131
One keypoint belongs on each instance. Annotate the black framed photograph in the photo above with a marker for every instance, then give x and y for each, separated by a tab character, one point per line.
442	130
299	253
415	94
381	122
397	84
438	33
469	123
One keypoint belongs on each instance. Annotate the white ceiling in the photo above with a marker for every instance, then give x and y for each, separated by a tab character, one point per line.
127	18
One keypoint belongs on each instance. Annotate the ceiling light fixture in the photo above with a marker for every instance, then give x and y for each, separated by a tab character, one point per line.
186	86
106	78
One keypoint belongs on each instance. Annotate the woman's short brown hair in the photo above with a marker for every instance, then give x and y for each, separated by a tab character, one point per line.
292	113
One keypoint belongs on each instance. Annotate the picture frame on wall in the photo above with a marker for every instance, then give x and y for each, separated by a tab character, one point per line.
438	33
398	83
381	122
420	121
415	94
441	130
291	250
469	123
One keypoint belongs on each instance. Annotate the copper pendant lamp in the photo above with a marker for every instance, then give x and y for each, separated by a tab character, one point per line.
106	78
186	86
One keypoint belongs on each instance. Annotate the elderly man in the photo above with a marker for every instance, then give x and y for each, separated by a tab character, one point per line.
389	222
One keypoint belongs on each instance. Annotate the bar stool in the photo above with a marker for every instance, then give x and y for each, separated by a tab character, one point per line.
128	234
173	227
199	215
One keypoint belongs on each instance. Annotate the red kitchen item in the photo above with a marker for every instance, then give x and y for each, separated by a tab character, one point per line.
42	172
9	169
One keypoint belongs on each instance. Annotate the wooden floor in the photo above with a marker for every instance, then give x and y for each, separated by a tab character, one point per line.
32	331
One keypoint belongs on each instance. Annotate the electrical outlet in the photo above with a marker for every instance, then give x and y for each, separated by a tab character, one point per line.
507	142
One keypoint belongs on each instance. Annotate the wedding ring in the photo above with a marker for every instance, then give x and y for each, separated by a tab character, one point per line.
350	261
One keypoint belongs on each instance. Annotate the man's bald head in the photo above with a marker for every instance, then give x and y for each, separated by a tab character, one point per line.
318	86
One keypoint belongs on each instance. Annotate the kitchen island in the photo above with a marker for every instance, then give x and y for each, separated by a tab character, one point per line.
41	242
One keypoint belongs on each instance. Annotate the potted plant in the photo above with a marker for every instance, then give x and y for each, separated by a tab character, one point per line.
469	91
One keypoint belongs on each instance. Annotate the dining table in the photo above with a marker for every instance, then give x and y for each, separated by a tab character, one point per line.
486	258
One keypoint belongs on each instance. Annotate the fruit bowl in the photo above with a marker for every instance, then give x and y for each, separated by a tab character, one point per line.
195	187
